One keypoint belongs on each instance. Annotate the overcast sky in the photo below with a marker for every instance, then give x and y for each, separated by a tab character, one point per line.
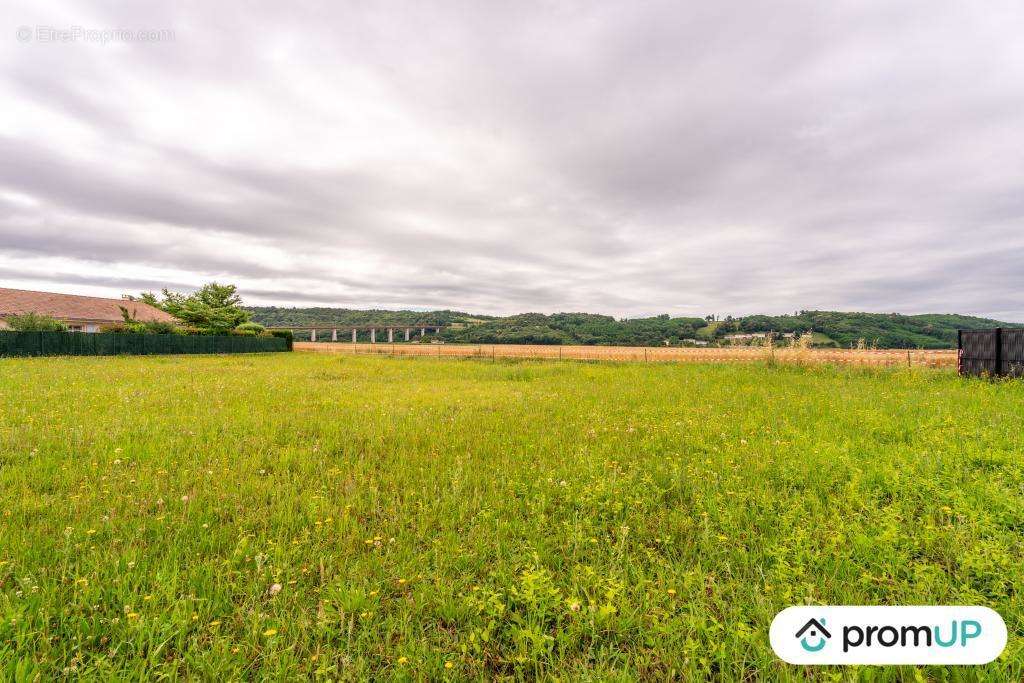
615	157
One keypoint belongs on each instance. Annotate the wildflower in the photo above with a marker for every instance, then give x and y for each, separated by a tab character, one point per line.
403	660
270	632
133	615
449	665
274	589
671	591
215	622
184	499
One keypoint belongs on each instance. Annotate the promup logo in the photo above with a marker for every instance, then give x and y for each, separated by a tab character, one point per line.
817	630
888	635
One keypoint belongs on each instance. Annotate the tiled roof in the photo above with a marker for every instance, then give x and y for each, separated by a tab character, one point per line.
75	307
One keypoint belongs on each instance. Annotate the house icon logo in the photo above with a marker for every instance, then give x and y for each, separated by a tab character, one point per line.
817	633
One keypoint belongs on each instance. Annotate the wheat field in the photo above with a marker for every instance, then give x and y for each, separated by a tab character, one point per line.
873	358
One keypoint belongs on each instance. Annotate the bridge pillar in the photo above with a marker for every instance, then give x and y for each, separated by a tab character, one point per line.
334	335
391	335
312	335
373	335
407	334
353	335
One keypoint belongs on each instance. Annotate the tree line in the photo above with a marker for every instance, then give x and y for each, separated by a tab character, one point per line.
831	328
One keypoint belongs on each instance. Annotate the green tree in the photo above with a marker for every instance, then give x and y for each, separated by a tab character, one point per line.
215	308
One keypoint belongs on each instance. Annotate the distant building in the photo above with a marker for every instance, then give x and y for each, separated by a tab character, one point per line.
79	313
751	336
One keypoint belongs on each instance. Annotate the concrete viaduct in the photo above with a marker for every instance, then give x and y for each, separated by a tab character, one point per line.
356	329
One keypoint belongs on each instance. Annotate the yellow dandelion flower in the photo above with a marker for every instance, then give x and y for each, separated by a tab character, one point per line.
449	665
671	591
270	632
215	622
133	615
403	660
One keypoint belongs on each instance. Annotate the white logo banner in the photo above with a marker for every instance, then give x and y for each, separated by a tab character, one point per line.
888	635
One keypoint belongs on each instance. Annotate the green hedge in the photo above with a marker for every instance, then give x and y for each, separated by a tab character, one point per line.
112	344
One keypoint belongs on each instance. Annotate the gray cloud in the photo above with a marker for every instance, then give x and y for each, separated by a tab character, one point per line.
679	157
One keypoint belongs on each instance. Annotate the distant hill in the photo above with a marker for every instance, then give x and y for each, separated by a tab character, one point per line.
273	316
881	330
831	328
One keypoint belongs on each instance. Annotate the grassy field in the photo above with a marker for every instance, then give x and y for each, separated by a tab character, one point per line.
354	517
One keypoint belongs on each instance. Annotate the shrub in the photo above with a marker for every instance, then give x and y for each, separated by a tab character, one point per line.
121	328
284	334
255	328
158	327
32	322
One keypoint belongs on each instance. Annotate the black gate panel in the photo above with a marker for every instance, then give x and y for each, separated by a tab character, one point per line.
991	353
1013	353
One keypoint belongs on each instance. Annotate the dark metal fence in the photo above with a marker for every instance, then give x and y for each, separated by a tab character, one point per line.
992	353
112	344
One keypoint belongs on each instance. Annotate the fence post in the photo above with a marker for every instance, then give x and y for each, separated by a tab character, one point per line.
999	352
959	352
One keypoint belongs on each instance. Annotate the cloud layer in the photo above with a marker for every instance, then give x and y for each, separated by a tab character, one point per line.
630	159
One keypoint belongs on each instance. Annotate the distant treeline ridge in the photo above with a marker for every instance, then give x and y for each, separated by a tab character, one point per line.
830	328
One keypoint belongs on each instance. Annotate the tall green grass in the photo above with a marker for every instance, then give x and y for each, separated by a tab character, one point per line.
304	515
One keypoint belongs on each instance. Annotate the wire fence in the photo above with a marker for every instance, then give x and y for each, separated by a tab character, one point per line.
876	358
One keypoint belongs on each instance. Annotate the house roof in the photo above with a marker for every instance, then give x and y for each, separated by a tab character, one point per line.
75	307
